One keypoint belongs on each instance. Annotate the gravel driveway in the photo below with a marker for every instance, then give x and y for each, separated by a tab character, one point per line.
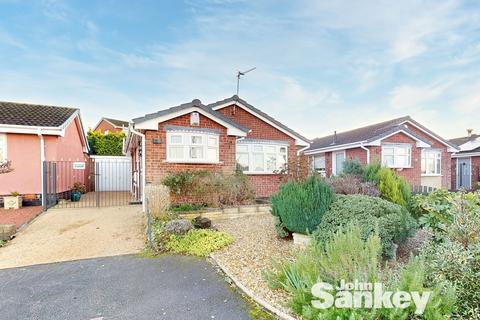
71	234
122	287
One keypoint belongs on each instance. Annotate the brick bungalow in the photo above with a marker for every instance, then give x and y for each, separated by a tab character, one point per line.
217	136
422	157
106	125
31	134
466	162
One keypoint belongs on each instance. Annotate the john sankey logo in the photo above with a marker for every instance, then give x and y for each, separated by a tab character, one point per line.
366	295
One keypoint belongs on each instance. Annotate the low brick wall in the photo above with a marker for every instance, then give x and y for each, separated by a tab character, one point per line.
228	213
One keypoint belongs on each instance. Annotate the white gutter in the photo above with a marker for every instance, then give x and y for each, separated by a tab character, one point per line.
368	152
302	149
42	160
142	177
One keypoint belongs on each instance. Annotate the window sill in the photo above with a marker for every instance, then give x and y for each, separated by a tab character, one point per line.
251	173
192	162
400	167
431	175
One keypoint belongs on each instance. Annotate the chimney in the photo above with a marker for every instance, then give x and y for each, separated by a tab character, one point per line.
469	132
334	137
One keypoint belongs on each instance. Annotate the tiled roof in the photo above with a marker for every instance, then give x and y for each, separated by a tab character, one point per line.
236	98
462	140
23	114
118	123
371	133
356	135
195	103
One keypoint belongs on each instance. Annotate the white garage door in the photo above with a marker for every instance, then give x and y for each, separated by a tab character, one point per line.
113	173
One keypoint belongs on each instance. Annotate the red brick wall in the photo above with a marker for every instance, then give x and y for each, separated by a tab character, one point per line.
412	175
357	153
446	157
475	171
156	165
104	126
264	185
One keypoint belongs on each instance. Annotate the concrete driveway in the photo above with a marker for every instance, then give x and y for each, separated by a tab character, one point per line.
122	287
71	234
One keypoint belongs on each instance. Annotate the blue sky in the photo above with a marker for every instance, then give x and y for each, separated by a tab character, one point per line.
321	65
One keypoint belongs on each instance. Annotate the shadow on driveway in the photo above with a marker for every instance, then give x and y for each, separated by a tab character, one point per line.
121	287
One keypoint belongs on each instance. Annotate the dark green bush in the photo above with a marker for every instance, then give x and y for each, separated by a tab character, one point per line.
392	222
301	205
108	144
370	172
352	167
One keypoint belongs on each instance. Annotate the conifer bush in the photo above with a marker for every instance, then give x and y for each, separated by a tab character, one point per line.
300	206
393	187
392	222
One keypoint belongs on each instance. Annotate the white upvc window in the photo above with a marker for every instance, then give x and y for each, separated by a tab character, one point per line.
3	147
397	155
318	163
261	158
431	162
192	147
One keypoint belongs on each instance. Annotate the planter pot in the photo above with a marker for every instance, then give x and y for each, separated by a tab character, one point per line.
12	202
301	239
75	197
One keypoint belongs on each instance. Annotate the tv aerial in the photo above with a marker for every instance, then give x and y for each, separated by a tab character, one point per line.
242	73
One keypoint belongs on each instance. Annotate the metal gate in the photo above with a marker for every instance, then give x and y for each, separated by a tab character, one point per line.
96	182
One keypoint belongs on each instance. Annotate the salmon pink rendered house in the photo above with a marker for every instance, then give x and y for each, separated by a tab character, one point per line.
31	134
217	136
419	155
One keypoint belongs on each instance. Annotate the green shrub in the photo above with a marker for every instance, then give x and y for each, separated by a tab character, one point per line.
108	144
199	242
370	172
450	261
392	222
413	277
393	188
187	207
352	167
210	188
345	257
301	205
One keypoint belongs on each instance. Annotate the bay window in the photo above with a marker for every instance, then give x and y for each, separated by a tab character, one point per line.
431	162
397	155
192	147
258	157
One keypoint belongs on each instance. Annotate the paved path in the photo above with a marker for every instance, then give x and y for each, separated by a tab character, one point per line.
70	234
122	287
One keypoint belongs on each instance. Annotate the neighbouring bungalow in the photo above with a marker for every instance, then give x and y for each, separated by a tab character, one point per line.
466	162
31	134
106	125
419	155
217	136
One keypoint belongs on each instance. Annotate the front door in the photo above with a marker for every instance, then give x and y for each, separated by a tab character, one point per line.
464	173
